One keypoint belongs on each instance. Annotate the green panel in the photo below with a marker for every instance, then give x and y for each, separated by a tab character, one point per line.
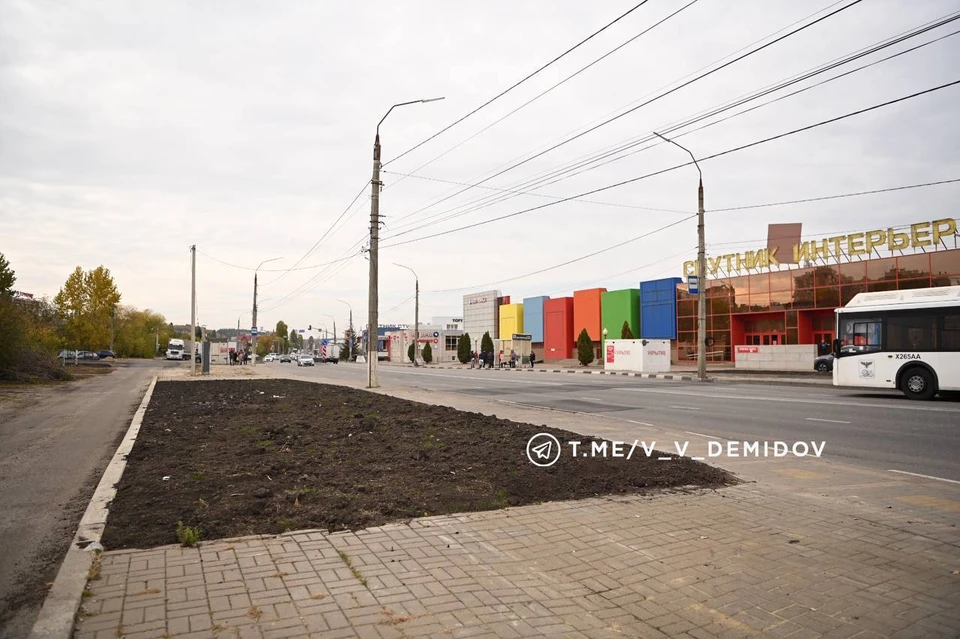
616	307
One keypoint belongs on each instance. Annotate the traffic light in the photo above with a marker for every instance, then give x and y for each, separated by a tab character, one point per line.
310	328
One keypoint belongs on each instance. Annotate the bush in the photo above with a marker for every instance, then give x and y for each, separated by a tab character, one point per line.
411	352
625	332
187	536
486	343
427	353
584	348
27	342
464	348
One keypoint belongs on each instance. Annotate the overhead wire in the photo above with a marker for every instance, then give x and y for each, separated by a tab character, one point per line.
673	168
651	100
519	82
554	175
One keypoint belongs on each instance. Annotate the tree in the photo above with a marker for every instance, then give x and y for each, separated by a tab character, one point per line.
281	331
584	348
486	343
85	302
138	333
265	344
410	353
7	277
293	337
625	332
464	348
427	353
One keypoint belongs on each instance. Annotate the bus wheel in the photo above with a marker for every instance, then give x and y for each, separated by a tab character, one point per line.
917	383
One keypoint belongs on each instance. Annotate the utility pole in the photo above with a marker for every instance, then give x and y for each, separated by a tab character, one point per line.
193	307
113	312
701	273
374	297
253	325
416	316
350	353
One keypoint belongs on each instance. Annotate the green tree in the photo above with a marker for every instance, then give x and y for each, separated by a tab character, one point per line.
85	302
7	277
293	338
464	348
427	353
265	344
138	332
625	332
281	331
486	343
410	352
584	348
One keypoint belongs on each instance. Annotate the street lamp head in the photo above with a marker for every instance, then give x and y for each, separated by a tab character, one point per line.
433	99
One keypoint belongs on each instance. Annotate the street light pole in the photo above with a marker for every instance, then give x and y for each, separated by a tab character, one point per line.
416	316
334	319
373	301
350	353
253	331
701	273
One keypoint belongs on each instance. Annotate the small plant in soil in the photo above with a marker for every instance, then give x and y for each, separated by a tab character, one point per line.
187	536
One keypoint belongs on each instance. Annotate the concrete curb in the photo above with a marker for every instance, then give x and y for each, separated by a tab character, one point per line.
59	611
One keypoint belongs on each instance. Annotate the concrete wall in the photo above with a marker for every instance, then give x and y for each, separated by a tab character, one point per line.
775	358
480	314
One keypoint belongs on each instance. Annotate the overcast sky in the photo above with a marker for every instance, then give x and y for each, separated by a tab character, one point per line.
131	130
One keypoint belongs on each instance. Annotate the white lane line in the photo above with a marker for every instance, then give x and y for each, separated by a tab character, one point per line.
686	407
894	404
590	399
690	432
831	421
664	458
630	421
903	472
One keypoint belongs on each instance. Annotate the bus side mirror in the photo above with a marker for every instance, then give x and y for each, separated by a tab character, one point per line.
836	347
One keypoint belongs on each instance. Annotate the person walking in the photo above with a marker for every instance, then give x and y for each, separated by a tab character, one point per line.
533	358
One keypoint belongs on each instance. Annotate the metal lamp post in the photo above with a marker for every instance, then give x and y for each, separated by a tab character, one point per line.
416	316
334	320
701	273
372	319
253	330
350	352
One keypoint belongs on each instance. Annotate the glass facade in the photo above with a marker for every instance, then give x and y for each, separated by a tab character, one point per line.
796	306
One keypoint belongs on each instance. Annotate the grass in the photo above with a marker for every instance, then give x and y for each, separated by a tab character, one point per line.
356	573
187	536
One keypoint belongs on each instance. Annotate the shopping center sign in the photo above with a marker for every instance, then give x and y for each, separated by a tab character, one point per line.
921	234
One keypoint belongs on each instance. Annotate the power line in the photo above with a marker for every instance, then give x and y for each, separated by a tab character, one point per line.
650	101
673	168
269	270
574	260
551	88
518	83
554	175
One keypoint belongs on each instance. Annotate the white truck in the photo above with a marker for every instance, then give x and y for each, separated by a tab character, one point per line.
175	349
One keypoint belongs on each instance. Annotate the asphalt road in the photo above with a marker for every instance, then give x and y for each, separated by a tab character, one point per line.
876	429
54	450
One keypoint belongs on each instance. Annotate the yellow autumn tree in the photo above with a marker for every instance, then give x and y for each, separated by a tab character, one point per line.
84	304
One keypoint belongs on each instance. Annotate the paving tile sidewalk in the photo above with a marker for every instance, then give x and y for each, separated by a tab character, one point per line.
800	558
740	562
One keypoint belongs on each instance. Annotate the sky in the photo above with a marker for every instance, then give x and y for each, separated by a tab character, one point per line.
130	131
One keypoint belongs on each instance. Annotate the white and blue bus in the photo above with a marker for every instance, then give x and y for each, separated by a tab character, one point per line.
907	339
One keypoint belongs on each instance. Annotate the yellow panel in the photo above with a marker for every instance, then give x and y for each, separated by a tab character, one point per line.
511	320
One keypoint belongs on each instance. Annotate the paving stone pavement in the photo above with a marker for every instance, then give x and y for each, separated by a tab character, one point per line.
739	562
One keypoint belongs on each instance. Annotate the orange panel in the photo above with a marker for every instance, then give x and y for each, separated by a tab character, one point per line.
586	313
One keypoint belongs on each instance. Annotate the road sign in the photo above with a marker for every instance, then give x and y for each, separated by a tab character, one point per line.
436	334
253	333
323	342
693	285
302	331
522	337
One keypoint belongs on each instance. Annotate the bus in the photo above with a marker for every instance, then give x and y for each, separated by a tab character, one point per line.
907	339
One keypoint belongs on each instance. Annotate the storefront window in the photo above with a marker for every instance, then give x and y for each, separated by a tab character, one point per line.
686	308
686	324
803	298
945	263
917	283
720	322
826	276
853	272
760	301
782	281
880	270
828	297
780	300
802	278
881	286
848	291
913	266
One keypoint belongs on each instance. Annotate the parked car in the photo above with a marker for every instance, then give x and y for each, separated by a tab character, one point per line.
269	357
88	355
824	363
285	359
305	360
67	354
104	354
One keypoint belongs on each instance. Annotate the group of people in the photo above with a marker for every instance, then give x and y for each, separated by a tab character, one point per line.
485	359
239	357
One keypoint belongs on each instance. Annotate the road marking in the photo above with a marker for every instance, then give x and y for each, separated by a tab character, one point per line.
591	399
903	472
664	458
630	421
796	473
832	421
690	432
686	407
890	405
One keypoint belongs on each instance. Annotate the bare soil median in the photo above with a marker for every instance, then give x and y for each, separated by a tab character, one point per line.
241	457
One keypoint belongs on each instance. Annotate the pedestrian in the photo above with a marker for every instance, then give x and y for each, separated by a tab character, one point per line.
500	359
533	358
513	358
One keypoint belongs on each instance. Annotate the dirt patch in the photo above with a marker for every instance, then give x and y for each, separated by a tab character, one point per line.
266	456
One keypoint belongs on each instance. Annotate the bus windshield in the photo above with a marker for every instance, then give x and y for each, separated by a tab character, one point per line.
864	333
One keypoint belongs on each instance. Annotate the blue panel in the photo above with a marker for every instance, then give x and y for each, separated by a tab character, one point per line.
658	308
533	317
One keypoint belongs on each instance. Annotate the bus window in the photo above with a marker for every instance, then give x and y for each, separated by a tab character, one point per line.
911	332
860	332
950	337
